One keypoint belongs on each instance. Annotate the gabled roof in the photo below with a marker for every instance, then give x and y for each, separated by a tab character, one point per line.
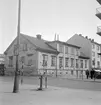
65	43
39	44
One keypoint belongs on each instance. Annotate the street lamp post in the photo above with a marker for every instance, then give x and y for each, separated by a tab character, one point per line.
16	79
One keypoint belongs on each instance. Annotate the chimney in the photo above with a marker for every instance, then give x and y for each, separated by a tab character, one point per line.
80	34
58	37
86	37
38	36
92	40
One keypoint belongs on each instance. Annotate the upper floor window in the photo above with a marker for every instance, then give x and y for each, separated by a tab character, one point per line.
53	60
61	48
10	61
98	47
25	47
66	50
93	45
77	52
66	62
72	50
93	53
45	59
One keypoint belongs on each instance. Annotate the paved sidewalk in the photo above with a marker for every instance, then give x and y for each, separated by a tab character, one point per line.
52	96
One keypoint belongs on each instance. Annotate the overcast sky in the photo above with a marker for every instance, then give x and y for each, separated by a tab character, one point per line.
47	17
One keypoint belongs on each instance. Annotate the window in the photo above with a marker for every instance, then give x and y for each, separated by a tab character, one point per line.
60	62
72	72
77	52
77	65
98	55
93	46
45	58
72	50
61	48
85	63
25	47
93	62
72	62
97	47
93	53
66	50
30	62
81	63
66	62
23	59
53	60
98	64
10	61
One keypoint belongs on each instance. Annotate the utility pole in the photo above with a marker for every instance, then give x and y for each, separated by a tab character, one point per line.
16	79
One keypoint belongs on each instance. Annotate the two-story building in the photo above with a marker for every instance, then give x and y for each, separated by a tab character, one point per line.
38	56
70	59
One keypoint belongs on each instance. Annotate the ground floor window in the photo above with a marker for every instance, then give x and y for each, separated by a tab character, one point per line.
81	61
53	60
45	59
66	62
77	63
72	62
10	61
98	64
60	62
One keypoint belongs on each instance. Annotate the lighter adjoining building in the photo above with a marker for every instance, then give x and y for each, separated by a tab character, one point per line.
89	47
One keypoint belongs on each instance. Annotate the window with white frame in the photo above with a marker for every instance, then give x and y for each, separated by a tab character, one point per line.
72	62
93	53
72	50
61	48
77	63
53	60
30	60
60	62
66	62
98	64
10	61
66	50
98	47
45	59
93	62
81	61
77	52
86	63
